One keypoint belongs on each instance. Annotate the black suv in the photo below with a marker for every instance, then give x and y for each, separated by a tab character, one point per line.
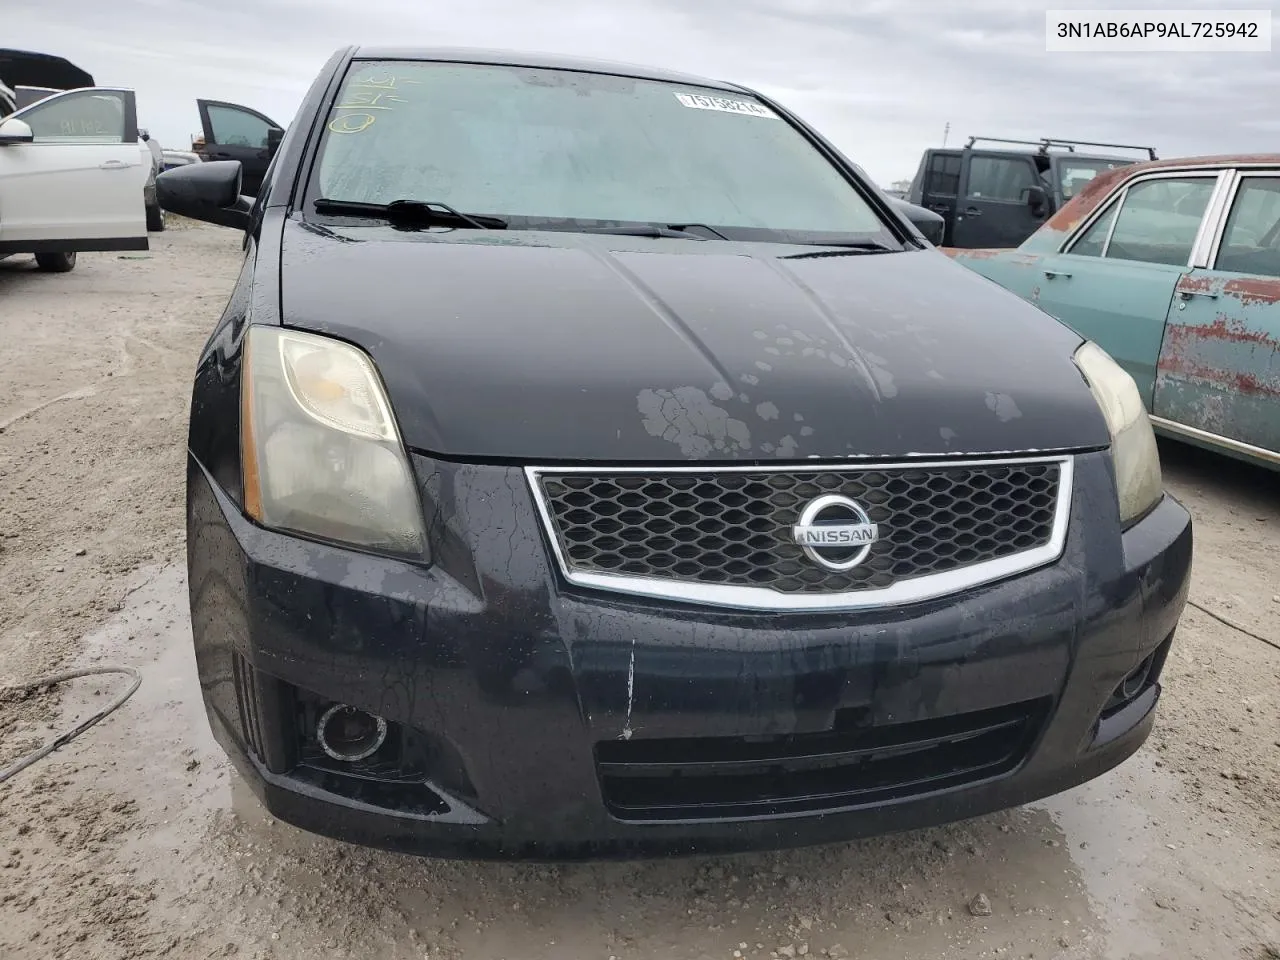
590	461
997	196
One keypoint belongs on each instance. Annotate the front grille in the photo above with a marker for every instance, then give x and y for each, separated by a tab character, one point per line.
734	527
723	778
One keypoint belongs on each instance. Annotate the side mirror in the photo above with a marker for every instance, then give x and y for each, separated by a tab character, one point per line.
14	130
206	191
1037	199
274	136
143	135
926	221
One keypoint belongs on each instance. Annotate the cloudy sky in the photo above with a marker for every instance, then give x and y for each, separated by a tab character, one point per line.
879	77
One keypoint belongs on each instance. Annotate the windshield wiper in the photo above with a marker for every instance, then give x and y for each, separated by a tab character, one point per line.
686	227
422	212
643	230
844	248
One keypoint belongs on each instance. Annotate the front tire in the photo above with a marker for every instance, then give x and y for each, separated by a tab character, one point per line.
155	219
63	262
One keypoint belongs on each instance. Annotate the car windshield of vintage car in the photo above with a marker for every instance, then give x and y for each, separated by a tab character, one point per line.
576	149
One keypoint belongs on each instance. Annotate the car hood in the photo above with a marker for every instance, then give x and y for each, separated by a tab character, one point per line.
570	347
28	68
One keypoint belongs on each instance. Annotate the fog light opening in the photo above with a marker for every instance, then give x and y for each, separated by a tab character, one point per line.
1134	682
349	734
1131	686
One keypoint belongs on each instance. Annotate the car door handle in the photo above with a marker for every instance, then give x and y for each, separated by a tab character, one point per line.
1188	294
1057	273
972	212
113	165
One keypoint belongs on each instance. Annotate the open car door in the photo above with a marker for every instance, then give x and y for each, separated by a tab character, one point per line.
233	132
72	174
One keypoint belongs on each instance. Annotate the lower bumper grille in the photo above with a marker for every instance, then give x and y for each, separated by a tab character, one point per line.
249	701
723	778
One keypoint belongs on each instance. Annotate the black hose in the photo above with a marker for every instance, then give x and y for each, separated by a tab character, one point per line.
1233	625
65	738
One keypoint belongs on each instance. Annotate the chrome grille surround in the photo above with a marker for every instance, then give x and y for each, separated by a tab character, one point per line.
884	579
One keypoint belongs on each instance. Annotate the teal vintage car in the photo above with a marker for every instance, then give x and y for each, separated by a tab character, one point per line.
1173	267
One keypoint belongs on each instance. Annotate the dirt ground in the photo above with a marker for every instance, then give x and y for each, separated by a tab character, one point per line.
138	841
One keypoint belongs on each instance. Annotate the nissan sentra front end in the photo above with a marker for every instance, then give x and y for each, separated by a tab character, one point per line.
584	536
542	699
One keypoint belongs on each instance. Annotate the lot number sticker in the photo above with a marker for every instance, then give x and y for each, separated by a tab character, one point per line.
699	102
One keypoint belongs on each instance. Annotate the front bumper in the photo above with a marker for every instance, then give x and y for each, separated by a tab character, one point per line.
539	721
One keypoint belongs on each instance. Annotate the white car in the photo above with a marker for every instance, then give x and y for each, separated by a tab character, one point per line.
178	158
72	175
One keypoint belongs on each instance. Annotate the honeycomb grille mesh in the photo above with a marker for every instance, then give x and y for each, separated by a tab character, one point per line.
731	528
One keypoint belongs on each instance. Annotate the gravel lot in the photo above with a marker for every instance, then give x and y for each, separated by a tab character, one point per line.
137	840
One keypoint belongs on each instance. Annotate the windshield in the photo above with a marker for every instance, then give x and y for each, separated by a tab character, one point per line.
535	145
1074	174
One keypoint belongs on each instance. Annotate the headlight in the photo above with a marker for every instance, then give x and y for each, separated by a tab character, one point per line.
1133	443
319	446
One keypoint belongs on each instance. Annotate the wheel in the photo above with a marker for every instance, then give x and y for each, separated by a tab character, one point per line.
155	219
56	262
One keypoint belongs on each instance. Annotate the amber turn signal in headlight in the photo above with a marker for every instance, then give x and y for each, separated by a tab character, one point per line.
320	450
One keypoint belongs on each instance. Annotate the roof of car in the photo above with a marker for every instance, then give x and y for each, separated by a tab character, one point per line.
1033	152
1212	160
1099	188
523	58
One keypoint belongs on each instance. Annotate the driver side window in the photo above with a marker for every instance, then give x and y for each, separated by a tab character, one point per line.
82	116
1094	240
1156	221
232	127
1001	178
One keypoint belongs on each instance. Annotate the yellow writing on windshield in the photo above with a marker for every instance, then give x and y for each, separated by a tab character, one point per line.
369	92
352	123
369	100
387	81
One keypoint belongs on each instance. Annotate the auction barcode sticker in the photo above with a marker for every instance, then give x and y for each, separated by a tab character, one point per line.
1157	31
700	102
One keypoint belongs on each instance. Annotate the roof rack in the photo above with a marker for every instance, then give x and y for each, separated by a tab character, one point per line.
1072	144
1029	143
1046	143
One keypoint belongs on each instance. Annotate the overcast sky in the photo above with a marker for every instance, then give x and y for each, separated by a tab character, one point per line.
879	77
